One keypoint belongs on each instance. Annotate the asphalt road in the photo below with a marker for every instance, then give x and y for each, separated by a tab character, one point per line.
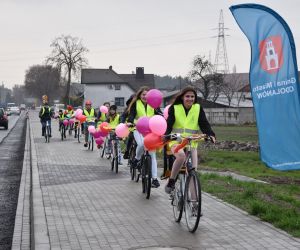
11	162
11	123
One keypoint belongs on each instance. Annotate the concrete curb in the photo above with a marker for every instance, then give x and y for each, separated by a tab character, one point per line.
21	236
40	239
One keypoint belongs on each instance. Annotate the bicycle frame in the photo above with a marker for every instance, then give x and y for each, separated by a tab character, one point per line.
115	147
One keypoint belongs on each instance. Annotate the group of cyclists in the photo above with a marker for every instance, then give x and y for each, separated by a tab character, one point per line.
185	116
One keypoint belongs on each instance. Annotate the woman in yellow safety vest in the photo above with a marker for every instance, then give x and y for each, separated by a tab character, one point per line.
138	108
185	116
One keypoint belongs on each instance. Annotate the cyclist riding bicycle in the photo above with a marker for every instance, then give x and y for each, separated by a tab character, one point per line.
186	117
114	120
91	115
138	108
61	118
45	115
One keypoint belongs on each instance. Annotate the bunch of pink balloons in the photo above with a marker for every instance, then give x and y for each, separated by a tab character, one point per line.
72	121
156	124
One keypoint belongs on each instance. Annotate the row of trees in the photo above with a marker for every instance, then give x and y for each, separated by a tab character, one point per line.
68	57
55	75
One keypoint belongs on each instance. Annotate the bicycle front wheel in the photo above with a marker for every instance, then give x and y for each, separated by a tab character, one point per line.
62	132
116	156
147	176
78	132
192	201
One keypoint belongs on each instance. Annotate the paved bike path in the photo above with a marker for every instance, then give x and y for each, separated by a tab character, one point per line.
86	206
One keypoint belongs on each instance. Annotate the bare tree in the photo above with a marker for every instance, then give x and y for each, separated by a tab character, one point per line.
232	88
68	55
18	93
204	79
42	80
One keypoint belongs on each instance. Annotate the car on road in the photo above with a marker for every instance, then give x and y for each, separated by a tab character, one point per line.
3	119
14	110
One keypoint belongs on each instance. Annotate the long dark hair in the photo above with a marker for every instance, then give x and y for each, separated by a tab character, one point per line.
138	96
178	98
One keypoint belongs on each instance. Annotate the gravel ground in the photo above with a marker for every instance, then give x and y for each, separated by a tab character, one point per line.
11	161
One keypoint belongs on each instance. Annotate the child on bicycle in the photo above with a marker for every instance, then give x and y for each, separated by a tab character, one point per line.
61	118
138	108
91	115
45	115
114	120
185	116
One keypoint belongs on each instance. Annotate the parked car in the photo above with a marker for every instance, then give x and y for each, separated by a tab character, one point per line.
13	110
3	119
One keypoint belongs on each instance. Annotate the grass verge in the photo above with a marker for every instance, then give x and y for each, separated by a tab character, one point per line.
236	133
276	204
248	164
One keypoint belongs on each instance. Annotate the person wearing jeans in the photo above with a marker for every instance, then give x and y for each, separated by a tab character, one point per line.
139	108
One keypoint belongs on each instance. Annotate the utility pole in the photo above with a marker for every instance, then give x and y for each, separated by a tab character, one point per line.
221	61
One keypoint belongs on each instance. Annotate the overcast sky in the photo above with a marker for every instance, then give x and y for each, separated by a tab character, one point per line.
163	36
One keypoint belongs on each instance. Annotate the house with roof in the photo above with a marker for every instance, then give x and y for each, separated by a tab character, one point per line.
106	85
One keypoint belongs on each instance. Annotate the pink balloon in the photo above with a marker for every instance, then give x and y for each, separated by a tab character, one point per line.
166	110
78	113
99	140
71	121
122	130
158	125
92	129
66	122
97	134
103	109
154	98
142	125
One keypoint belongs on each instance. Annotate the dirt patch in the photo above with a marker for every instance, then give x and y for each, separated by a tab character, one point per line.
281	180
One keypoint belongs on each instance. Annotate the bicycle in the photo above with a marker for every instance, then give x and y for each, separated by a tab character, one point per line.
146	173
132	150
106	149
187	193
115	143
78	130
90	137
62	131
47	131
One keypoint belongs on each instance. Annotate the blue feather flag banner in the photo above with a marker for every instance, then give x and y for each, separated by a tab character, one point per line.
274	84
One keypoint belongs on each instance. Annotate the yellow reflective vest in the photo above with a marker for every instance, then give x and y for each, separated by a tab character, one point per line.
141	110
90	117
114	122
186	124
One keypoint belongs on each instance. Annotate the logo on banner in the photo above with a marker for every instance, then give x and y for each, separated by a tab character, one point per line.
270	54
